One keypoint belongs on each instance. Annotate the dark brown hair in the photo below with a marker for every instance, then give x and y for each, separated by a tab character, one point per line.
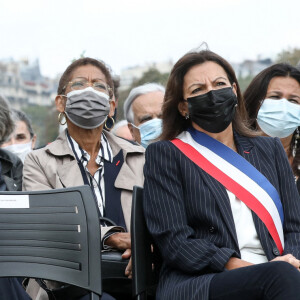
257	91
173	122
66	76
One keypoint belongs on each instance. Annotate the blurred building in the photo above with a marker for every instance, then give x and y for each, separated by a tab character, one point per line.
129	75
22	83
250	68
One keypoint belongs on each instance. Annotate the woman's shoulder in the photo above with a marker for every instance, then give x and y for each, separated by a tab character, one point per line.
161	149
260	141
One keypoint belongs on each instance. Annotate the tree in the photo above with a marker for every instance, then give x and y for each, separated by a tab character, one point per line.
44	123
291	56
244	82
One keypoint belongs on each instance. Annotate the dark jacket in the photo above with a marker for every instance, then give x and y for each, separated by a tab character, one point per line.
188	213
12	169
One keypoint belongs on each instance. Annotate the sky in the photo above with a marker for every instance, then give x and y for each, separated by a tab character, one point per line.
125	33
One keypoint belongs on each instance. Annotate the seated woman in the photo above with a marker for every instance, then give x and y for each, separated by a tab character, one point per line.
219	200
86	154
273	103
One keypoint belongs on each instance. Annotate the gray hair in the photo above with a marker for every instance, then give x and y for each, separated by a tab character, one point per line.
136	92
18	115
6	123
118	125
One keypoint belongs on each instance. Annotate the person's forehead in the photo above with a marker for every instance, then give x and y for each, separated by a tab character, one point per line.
209	69
148	101
284	84
21	127
88	72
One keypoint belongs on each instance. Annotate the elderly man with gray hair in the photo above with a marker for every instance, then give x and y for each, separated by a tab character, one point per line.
142	110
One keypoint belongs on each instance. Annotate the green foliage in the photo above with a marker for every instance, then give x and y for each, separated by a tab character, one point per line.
44	123
152	75
244	82
291	56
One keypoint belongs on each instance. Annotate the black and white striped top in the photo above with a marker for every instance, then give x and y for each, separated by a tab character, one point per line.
97	181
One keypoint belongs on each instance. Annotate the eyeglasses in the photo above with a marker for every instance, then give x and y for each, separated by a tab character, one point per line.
81	84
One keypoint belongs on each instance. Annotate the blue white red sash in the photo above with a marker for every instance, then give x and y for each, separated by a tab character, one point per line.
238	176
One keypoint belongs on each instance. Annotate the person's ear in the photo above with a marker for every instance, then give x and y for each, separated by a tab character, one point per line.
33	141
112	108
60	102
135	132
183	108
130	127
234	88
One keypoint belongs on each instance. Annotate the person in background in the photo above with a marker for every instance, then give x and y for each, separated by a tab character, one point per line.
85	153
22	140
273	104
142	110
219	200
11	165
121	130
10	180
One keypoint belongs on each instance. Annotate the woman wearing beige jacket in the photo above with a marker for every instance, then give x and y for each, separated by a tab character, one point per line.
86	154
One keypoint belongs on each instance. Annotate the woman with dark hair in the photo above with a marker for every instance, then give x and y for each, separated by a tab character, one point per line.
10	165
218	199
85	153
273	103
23	139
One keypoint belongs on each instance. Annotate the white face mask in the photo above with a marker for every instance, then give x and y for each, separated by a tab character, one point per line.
20	150
278	118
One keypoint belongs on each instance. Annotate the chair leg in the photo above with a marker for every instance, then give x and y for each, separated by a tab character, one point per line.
94	296
142	296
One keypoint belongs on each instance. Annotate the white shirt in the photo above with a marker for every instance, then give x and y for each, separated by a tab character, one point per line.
249	243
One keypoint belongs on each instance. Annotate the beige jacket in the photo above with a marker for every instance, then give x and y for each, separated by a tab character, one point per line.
55	166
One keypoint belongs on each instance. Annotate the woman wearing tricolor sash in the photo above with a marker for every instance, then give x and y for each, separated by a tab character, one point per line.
219	200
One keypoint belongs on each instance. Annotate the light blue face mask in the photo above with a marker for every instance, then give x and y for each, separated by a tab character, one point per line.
278	118
150	131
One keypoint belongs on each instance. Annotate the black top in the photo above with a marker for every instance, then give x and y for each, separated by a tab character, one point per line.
11	170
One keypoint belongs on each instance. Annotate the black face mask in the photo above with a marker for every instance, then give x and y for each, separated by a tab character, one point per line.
214	110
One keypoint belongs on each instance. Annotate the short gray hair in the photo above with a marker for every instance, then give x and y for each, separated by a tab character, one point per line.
118	125
18	115
6	123
136	92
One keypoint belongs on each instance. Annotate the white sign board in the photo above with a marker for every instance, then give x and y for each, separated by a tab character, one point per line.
14	201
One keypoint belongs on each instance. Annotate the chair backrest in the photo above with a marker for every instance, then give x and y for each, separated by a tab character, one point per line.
144	253
53	234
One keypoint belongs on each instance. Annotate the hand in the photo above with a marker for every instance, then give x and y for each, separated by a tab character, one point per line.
120	241
128	270
290	259
235	263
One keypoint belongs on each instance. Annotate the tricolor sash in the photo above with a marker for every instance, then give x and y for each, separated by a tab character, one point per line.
238	176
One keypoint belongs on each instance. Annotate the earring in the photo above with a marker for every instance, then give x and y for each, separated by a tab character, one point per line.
187	116
113	123
60	116
297	136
